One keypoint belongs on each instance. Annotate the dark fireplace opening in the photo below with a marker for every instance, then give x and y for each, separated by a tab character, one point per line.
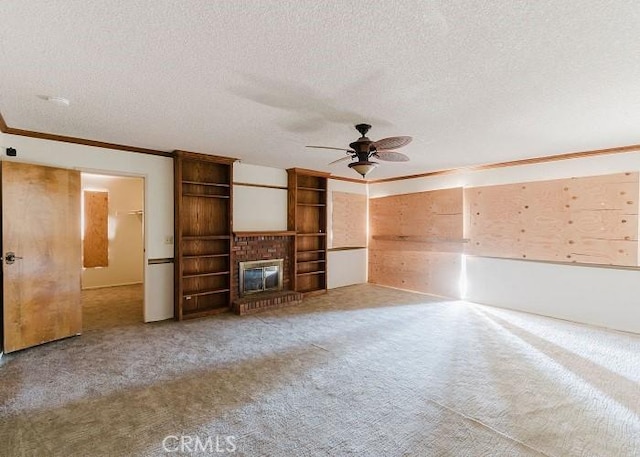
260	276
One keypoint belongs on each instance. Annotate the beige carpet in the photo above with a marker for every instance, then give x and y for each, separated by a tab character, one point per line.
362	371
108	307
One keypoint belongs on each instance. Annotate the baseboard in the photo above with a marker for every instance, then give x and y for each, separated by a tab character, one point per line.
112	285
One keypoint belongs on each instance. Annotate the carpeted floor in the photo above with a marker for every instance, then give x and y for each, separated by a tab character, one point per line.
363	371
108	307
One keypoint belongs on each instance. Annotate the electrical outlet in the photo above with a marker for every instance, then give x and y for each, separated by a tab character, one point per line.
168	239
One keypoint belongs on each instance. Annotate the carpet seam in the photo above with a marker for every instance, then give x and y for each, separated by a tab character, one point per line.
477	421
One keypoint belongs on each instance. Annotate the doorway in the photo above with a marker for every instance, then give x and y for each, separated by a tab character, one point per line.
112	220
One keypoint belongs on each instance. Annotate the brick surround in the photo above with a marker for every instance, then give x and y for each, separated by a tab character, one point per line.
248	248
265	301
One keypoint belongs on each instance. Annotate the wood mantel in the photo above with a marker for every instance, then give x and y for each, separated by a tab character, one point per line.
264	233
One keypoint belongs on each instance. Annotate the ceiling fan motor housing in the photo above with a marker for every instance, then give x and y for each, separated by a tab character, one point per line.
363	129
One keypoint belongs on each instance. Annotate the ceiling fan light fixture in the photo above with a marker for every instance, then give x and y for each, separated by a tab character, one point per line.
363	167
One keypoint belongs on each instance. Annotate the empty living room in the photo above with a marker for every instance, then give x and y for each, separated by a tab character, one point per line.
289	228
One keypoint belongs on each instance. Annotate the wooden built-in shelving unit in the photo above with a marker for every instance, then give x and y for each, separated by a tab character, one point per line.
203	198
307	216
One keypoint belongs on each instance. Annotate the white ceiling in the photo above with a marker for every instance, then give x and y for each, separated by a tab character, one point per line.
472	81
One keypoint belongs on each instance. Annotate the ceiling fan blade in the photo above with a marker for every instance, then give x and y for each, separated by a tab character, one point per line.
340	160
393	142
391	156
328	147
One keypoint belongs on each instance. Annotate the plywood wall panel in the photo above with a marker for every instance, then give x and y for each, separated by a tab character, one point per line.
435	213
349	219
416	241
589	220
408	245
428	272
384	215
95	244
617	191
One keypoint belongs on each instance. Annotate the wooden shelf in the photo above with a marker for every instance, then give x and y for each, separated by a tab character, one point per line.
204	313
204	256
310	273
311	251
206	237
205	292
203	275
203	183
319	205
264	233
311	234
205	195
301	262
314	189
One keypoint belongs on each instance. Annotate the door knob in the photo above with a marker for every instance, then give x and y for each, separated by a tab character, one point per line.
10	257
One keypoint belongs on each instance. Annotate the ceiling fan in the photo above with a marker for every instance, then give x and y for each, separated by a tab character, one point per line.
363	149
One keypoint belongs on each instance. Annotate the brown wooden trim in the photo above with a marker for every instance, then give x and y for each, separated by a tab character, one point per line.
356	180
177	237
3	125
515	163
264	233
306	171
419	175
210	312
84	141
347	248
313	293
555	262
159	261
555	158
202	156
266	186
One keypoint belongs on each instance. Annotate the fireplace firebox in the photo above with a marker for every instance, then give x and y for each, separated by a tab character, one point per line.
260	276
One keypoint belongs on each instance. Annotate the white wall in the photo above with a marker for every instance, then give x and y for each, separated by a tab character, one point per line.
259	208
606	297
349	266
126	241
594	295
158	174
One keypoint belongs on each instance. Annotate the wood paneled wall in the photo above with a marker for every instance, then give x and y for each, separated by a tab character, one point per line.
416	241
585	220
349	219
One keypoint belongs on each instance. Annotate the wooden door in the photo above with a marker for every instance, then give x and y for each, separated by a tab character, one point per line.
41	227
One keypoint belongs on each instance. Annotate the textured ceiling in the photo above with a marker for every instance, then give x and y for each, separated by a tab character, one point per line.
473	82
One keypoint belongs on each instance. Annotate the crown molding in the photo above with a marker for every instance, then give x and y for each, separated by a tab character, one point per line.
515	163
201	156
3	124
355	180
4	128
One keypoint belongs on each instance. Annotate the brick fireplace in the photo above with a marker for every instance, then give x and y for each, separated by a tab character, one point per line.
253	246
